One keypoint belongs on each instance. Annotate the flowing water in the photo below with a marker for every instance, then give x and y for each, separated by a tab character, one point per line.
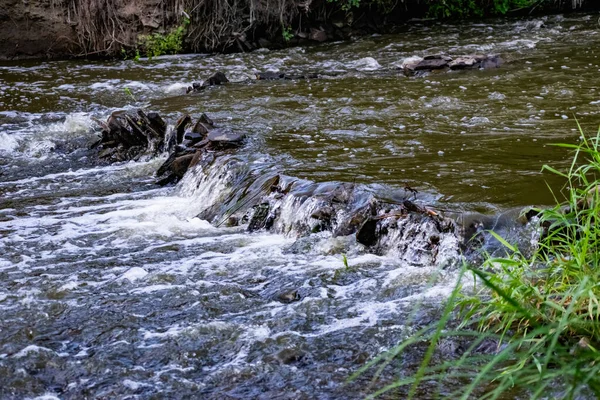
111	287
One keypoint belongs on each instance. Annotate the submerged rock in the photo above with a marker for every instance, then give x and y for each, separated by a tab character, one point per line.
272	76
288	296
218	78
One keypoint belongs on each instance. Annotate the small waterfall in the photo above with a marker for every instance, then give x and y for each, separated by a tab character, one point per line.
235	189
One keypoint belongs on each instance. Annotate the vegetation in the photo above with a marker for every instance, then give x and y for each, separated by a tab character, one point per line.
540	313
107	27
158	44
287	34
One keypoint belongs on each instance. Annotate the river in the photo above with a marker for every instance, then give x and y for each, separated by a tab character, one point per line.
113	287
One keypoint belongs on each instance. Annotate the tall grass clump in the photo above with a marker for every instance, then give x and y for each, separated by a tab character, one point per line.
528	326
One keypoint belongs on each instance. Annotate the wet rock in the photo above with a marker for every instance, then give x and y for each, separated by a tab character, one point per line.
225	138
193	137
131	135
438	57
106	153
180	127
180	165
431	64
367	234
465	62
288	296
259	218
201	128
167	168
218	78
196	87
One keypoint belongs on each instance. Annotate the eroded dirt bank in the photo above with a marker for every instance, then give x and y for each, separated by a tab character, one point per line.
108	28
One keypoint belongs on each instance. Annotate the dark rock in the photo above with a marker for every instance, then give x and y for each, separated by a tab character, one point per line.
196	160
133	135
232	221
193	137
198	86
180	165
201	128
367	234
317	35
205	120
218	78
201	143
105	153
264	43
225	137
172	178
155	125
167	166
438	57
288	296
180	127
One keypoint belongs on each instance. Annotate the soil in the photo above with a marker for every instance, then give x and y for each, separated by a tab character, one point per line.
34	29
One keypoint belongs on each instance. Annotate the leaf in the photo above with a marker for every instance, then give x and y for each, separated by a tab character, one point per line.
504	242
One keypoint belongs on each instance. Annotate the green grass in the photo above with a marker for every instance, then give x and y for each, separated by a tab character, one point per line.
541	312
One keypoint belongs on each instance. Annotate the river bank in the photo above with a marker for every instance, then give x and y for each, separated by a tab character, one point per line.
64	29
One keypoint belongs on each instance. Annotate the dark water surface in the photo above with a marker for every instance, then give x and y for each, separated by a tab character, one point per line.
112	288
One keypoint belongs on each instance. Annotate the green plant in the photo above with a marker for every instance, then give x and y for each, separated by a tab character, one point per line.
158	44
129	93
541	313
345	261
287	34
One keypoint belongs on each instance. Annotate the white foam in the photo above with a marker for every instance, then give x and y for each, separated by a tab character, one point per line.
410	60
31	349
8	142
133	385
106	85
46	396
365	64
133	274
176	88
